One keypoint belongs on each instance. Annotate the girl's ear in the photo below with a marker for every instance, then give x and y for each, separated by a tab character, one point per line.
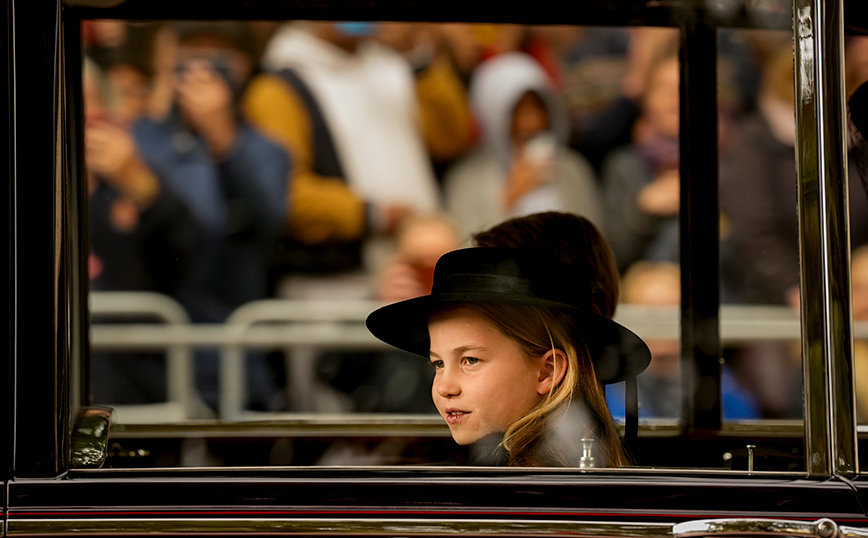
553	367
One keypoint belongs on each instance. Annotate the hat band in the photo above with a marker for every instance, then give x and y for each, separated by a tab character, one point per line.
512	289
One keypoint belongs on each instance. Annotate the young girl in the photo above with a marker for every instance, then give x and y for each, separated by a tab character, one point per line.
522	342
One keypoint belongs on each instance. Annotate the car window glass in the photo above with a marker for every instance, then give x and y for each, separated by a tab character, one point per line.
256	189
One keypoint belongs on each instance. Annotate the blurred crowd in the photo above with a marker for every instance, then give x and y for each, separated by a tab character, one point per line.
234	161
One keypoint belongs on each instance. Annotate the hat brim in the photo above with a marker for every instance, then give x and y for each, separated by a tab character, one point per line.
616	351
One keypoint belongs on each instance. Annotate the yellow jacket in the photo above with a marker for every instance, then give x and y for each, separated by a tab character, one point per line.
326	208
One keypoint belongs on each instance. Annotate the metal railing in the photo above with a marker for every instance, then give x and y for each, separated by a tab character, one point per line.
180	389
304	328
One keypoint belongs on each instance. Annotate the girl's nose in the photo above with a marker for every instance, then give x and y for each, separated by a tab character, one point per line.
446	383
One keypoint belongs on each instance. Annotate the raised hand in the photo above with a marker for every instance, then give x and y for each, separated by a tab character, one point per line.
205	100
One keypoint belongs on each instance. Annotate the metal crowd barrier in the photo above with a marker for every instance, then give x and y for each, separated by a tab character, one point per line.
303	328
180	388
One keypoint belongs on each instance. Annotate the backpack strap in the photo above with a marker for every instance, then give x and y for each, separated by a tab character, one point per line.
332	256
326	161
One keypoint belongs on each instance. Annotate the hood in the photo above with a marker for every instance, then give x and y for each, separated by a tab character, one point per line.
294	45
497	86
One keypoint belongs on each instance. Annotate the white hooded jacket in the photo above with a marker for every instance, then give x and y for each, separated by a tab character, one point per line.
475	186
369	102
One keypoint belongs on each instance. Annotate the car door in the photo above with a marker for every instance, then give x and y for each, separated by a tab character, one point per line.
704	478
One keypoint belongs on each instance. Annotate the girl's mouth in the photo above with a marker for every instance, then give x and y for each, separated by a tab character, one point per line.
455	416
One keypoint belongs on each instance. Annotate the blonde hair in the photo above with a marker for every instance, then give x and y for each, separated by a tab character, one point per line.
531	440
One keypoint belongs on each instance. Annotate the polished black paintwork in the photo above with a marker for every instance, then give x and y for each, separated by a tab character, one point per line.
611	12
699	231
6	240
774	14
76	208
434	493
41	424
46	272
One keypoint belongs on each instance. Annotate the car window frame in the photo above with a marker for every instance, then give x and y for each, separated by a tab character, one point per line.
47	392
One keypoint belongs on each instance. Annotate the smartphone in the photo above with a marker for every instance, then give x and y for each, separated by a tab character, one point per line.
540	151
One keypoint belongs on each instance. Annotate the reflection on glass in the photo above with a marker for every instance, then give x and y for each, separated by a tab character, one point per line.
859	275
275	183
856	69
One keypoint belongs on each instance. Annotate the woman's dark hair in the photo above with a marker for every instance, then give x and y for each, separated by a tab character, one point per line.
137	51
233	34
570	238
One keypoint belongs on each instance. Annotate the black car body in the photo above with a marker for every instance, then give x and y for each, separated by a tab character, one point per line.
806	481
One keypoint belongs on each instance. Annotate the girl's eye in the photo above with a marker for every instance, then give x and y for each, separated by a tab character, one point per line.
470	361
437	365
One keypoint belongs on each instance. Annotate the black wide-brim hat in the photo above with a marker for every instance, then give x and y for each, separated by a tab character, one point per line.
513	276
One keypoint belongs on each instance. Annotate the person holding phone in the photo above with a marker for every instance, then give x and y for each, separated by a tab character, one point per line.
232	178
522	165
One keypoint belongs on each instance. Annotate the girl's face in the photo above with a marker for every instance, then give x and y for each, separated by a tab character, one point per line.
483	380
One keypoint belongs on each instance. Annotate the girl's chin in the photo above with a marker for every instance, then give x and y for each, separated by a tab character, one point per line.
465	439
491	437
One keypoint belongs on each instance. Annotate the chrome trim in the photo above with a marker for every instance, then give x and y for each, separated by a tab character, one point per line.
750	449
827	343
822	528
295	425
852	532
527	474
368	527
389	425
103	4
90	438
